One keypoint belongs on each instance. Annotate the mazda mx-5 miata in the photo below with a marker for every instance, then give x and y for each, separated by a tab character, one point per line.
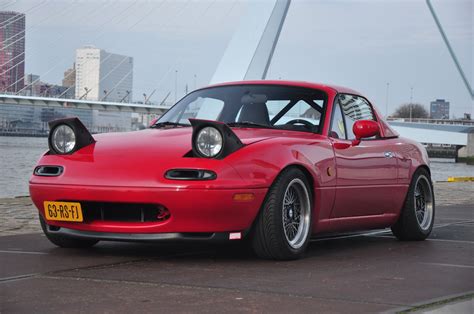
274	162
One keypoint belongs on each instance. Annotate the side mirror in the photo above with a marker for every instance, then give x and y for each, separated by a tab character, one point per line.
152	122
365	129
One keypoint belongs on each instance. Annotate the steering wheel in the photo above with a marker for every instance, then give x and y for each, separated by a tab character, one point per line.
306	123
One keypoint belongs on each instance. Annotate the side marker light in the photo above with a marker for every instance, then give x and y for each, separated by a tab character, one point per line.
244	197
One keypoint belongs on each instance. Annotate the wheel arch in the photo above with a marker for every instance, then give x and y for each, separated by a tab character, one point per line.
309	178
306	173
424	167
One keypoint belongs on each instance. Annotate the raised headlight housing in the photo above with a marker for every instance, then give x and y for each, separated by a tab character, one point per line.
213	139
63	139
209	142
67	136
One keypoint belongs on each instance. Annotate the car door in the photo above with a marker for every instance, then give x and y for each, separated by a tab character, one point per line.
365	172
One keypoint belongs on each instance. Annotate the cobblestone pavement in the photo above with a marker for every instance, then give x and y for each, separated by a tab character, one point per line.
19	215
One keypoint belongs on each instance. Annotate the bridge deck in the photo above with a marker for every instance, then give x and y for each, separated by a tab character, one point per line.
80	104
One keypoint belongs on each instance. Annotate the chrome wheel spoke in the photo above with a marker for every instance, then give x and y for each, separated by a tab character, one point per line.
423	201
420	215
296	211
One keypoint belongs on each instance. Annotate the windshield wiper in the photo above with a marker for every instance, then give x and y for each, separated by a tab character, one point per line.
249	123
168	123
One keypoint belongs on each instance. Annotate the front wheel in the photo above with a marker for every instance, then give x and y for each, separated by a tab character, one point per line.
417	216
283	226
63	241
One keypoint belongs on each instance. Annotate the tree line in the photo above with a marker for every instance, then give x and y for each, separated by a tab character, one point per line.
418	111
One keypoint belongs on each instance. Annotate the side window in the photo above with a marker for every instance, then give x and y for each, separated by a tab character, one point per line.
354	108
337	123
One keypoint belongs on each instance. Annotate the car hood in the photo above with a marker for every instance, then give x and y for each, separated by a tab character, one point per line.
167	143
141	158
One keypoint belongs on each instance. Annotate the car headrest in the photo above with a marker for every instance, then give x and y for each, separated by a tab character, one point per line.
255	112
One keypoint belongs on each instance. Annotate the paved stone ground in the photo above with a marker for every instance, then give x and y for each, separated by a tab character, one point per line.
355	273
358	273
454	193
19	215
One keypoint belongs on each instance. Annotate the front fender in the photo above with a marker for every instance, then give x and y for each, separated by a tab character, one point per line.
260	163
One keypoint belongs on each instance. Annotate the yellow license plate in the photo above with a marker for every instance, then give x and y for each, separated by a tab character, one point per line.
63	211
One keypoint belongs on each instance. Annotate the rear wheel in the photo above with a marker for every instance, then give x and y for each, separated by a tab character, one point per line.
417	217
283	226
63	241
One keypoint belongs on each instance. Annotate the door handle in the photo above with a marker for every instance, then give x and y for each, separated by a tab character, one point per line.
388	154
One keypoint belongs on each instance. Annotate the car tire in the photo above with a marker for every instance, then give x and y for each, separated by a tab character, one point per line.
288	206
417	215
63	241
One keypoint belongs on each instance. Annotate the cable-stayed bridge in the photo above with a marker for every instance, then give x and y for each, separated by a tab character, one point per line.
82	104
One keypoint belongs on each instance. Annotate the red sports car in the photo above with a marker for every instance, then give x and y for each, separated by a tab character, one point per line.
272	161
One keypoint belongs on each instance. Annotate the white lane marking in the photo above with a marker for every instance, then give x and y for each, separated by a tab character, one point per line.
19	277
454	241
448	218
376	233
460	222
23	252
449	265
435	240
351	236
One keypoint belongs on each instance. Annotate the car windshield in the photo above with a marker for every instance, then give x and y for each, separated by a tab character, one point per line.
268	106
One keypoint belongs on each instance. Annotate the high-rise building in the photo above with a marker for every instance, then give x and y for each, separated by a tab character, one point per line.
69	83
103	76
12	51
69	79
439	109
32	85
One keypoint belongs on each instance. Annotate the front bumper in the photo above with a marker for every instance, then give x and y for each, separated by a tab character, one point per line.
191	210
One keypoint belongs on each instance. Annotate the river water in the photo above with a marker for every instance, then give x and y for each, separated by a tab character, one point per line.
18	156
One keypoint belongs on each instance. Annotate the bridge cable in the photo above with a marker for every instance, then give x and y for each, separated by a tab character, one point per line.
63	59
106	58
68	8
15	18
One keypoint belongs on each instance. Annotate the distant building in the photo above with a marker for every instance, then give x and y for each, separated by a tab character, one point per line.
32	85
439	109
12	51
33	120
35	87
103	76
52	90
108	121
69	79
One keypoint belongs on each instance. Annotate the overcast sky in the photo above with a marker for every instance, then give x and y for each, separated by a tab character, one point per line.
359	44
